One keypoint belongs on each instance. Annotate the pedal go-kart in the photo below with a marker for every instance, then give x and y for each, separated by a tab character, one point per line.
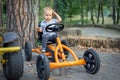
11	56
59	53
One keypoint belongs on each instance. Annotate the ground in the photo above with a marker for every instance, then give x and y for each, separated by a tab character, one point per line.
109	70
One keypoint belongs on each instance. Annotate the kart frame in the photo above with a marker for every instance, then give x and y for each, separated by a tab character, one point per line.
60	55
90	59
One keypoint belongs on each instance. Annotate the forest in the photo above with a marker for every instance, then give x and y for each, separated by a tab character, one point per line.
77	11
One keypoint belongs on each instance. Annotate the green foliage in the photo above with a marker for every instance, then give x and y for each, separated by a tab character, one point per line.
74	7
37	44
61	7
4	9
69	8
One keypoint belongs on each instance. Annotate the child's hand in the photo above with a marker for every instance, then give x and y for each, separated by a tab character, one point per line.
57	16
54	13
38	29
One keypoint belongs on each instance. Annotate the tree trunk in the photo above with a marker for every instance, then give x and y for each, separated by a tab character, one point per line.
82	16
21	19
118	12
0	13
100	11
98	14
70	13
37	12
114	12
102	15
91	11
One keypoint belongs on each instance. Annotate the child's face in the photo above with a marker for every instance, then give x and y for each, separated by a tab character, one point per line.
48	15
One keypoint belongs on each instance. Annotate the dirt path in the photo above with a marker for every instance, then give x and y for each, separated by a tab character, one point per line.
110	69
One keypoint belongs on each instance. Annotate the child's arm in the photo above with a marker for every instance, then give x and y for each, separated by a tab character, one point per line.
57	16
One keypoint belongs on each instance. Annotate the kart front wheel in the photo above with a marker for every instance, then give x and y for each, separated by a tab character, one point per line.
92	61
13	67
43	67
28	51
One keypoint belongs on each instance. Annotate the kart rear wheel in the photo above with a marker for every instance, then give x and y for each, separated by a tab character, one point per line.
28	51
13	68
92	61
43	67
65	51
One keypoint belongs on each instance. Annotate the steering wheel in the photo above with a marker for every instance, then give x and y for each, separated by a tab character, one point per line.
54	27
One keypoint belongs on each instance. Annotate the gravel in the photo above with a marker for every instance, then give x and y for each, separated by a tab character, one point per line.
109	70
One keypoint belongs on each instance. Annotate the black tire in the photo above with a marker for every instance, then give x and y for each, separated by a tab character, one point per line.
66	44
43	67
92	61
28	51
13	68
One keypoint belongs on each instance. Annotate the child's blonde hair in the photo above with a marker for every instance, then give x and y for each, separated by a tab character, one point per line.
48	9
